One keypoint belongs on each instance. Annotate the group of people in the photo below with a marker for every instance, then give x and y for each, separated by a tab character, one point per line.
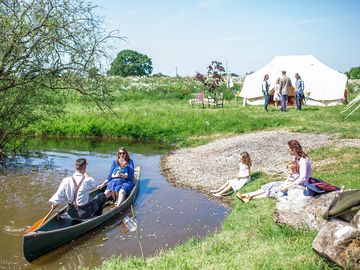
74	190
282	91
299	173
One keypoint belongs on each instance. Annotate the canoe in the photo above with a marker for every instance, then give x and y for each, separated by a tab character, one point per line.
61	228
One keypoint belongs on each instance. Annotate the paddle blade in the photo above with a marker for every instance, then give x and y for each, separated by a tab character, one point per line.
38	223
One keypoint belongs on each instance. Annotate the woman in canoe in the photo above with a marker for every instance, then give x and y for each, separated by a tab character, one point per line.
119	180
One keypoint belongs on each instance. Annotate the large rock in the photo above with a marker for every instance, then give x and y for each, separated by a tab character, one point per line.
356	220
299	211
339	242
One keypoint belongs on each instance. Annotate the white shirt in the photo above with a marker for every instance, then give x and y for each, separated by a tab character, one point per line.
66	191
305	170
244	171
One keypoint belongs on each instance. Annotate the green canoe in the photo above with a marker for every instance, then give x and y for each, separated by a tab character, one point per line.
61	229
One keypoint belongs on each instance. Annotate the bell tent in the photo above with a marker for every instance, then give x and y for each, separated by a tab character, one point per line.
323	86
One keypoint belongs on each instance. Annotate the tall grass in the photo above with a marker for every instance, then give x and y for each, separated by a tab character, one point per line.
175	121
157	109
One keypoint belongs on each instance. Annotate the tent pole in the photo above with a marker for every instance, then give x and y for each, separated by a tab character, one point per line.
353	111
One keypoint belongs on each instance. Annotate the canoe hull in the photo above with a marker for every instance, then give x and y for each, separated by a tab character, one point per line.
46	239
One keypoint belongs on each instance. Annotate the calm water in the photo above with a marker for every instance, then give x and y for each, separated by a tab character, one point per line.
166	215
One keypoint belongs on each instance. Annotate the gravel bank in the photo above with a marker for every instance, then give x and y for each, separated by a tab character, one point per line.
210	165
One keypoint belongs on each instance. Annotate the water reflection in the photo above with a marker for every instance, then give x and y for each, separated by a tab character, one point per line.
165	215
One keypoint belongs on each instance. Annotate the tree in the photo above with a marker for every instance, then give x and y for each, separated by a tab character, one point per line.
214	76
47	48
131	63
354	73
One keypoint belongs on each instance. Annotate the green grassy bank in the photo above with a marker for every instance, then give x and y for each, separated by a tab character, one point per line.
157	109
175	121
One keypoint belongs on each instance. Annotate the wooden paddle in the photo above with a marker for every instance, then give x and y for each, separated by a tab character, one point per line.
40	222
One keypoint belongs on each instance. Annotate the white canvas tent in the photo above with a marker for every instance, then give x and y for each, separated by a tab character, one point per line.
325	85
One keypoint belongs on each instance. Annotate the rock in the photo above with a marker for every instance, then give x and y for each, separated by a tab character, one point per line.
300	211
356	220
339	242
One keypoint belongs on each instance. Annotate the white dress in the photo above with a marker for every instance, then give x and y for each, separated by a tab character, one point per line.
243	177
277	96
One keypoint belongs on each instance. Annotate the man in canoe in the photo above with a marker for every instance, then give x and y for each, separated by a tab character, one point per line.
74	190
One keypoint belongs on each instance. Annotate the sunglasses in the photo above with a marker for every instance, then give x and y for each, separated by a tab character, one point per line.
120	153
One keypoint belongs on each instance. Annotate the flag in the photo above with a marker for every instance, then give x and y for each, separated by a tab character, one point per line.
229	81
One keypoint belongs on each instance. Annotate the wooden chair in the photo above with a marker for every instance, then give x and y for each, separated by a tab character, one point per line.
198	98
216	100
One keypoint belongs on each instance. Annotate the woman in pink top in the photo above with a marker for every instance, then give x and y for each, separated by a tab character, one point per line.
300	157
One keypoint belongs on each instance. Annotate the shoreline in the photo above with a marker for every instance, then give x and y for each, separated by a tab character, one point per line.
209	166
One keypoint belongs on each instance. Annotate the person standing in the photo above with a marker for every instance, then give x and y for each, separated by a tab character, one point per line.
285	84
299	91
277	96
265	90
74	190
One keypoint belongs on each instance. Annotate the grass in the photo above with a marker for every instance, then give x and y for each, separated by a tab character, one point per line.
176	122
259	244
156	109
249	237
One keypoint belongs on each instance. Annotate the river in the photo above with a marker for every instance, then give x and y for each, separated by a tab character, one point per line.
166	215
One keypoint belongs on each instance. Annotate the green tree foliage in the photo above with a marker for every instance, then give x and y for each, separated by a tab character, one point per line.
214	76
354	73
131	63
48	48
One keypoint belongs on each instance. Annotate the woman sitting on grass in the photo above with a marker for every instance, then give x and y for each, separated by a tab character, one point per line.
276	189
236	183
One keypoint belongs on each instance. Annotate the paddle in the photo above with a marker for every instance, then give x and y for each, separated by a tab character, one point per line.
40	222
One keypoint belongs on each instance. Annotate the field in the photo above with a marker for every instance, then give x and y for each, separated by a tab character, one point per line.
162	113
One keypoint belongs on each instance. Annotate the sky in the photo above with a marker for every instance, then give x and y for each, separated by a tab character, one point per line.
183	37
